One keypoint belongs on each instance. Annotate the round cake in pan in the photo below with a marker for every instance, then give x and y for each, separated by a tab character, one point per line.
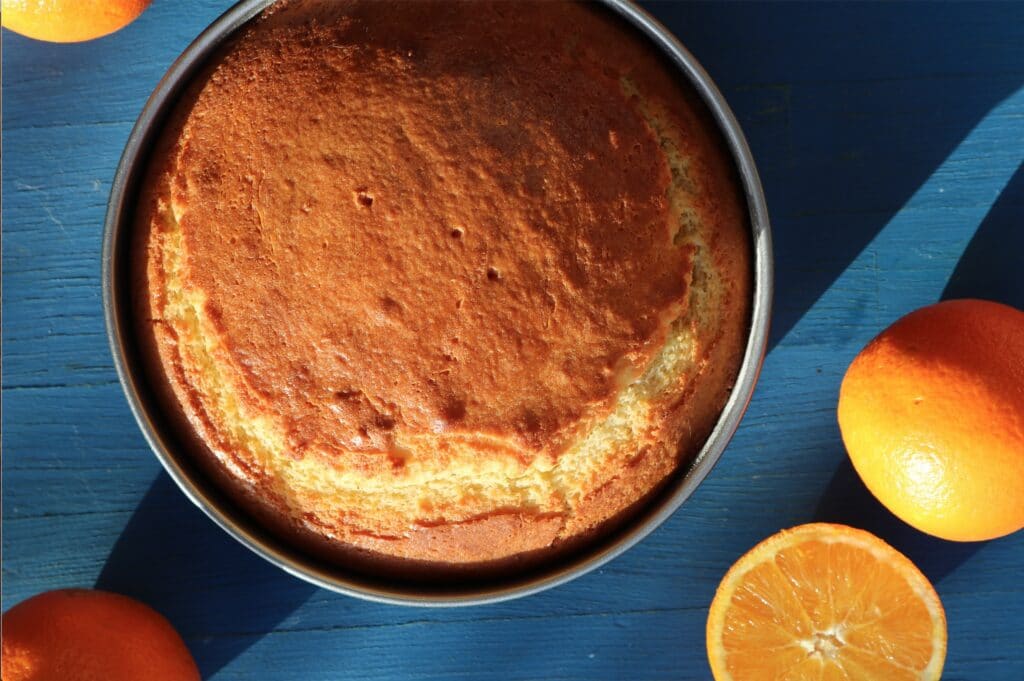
444	285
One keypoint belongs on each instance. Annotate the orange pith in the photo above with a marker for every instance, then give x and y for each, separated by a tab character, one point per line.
822	602
69	21
932	415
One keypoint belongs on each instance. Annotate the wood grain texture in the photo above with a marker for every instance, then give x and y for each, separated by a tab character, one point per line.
890	141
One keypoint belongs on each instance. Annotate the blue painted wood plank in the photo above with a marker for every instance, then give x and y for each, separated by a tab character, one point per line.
888	138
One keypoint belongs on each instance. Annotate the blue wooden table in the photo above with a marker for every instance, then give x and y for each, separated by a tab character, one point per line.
890	140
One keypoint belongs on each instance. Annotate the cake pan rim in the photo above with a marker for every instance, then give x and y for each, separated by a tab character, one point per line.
245	530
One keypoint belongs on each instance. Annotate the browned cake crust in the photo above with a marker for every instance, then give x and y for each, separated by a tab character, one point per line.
448	282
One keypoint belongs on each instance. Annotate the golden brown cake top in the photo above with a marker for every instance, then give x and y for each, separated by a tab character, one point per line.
447	282
404	245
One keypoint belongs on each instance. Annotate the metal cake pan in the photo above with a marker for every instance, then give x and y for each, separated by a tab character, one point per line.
233	520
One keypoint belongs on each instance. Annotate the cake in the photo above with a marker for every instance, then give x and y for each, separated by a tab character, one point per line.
440	286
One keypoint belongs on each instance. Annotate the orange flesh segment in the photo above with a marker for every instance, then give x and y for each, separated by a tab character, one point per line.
824	602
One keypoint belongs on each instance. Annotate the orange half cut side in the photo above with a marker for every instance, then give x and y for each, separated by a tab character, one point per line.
823	602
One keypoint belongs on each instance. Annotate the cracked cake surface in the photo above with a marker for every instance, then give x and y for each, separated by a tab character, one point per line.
437	282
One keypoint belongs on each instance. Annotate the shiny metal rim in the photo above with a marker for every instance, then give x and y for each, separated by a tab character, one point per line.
233	521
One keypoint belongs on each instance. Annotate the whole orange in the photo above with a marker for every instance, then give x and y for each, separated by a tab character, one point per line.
932	415
91	636
69	21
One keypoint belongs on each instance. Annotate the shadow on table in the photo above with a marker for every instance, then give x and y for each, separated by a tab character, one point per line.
848	501
992	265
990	268
848	109
218	594
844	132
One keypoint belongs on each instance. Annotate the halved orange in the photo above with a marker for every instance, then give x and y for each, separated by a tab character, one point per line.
825	602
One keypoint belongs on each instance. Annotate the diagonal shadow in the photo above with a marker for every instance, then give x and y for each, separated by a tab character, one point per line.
844	132
991	266
848	109
173	558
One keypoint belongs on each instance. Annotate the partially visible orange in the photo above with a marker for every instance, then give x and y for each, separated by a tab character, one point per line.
932	415
91	636
824	602
69	21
